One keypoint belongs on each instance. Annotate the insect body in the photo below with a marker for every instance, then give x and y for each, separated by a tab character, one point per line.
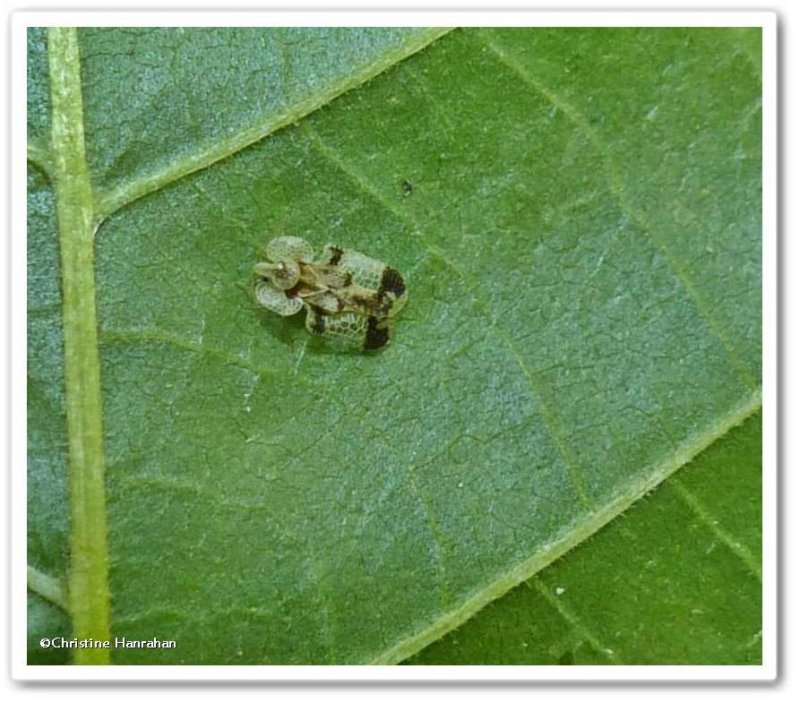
349	297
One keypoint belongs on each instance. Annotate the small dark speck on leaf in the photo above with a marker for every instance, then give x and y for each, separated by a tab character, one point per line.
408	188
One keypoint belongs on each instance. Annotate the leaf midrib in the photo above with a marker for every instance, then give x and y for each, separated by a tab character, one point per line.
88	590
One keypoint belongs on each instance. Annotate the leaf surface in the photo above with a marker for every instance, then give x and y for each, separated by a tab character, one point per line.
675	580
577	213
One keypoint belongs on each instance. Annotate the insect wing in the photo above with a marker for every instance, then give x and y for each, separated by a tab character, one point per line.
289	248
349	330
275	300
365	270
387	283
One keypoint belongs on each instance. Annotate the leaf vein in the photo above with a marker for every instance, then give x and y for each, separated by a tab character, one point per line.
574	620
111	200
573	535
705	516
436	541
89	594
48	587
142	336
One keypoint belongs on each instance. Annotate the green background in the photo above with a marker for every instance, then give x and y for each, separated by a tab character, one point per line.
582	246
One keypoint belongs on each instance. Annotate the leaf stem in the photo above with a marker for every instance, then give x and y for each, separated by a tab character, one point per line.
88	576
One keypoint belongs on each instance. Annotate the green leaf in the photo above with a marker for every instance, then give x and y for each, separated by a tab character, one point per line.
675	580
577	212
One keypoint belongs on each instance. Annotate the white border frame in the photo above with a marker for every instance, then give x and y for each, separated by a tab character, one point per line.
20	670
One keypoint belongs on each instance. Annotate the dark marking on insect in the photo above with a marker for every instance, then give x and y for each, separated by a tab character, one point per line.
377	336
318	324
337	255
366	302
391	282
